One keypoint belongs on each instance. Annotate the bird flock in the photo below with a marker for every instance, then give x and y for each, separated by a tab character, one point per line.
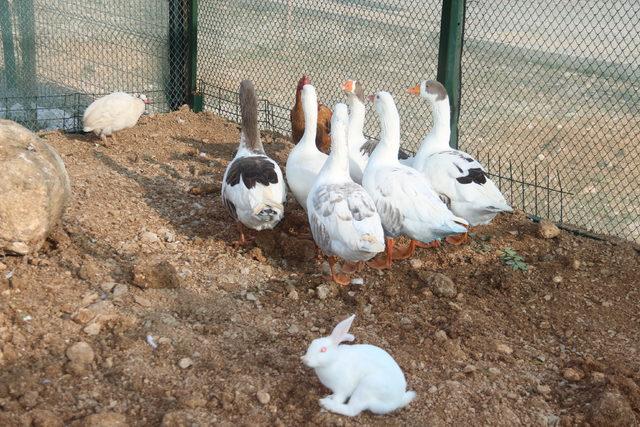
364	194
360	195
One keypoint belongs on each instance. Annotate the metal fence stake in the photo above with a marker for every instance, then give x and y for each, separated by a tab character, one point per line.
196	99
8	48
450	56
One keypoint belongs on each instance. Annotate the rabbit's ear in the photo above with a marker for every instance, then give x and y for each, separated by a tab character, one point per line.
340	332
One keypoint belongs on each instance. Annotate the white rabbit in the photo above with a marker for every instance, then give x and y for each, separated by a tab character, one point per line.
365	374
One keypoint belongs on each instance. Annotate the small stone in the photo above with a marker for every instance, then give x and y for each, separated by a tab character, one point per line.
494	371
416	263
357	281
293	294
167	235
185	362
83	316
573	374
106	419
322	291
164	341
597	377
89	298
433	389
293	329
441	336
511	395
469	369
557	279
440	284
263	397
92	329
503	348
547	229
576	264
120	289
251	297
88	270
80	352
326	270
142	301
543	389
149	237
108	287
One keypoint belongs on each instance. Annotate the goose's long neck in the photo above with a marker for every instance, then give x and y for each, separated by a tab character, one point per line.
249	132
389	145
438	138
336	168
310	108
355	135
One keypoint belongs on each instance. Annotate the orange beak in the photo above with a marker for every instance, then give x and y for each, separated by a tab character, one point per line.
347	86
414	90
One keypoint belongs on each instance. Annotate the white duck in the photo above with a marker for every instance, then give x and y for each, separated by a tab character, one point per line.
404	199
305	160
113	112
253	189
360	147
458	178
343	218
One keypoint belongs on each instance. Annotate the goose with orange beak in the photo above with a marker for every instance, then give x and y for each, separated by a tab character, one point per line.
403	197
360	147
459	179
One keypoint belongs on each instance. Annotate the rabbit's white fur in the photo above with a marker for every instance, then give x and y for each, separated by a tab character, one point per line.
365	374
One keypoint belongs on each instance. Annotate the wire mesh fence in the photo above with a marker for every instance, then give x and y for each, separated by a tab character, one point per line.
58	55
549	91
554	87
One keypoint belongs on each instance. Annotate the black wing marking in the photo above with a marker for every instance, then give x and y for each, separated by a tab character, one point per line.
475	175
252	170
230	207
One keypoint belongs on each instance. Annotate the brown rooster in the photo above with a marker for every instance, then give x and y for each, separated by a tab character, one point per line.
323	140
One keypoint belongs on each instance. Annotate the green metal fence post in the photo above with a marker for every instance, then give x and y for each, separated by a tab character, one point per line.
27	43
8	49
450	56
196	98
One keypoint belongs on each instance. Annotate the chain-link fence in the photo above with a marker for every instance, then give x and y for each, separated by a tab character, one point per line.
59	55
553	89
549	90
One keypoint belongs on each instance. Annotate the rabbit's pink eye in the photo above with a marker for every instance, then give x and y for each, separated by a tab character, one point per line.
323	350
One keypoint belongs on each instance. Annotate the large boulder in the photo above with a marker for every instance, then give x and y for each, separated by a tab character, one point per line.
34	189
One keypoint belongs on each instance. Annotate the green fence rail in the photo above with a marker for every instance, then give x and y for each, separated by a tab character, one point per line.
547	93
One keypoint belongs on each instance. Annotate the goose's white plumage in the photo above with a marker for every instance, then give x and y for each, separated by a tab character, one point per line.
253	188
360	147
305	160
342	215
457	177
113	112
403	197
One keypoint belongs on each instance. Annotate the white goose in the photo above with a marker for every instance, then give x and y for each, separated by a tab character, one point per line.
360	147
343	218
458	178
305	160
253	189
404	199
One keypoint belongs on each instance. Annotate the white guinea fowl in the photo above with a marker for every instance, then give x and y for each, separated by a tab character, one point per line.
253	188
403	197
458	178
343	218
360	147
305	160
113	112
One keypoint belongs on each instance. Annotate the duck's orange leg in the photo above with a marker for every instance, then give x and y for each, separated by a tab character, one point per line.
405	252
457	239
434	244
382	262
339	278
242	241
352	267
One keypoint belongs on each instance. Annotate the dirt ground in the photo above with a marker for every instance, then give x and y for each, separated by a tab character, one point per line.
145	250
